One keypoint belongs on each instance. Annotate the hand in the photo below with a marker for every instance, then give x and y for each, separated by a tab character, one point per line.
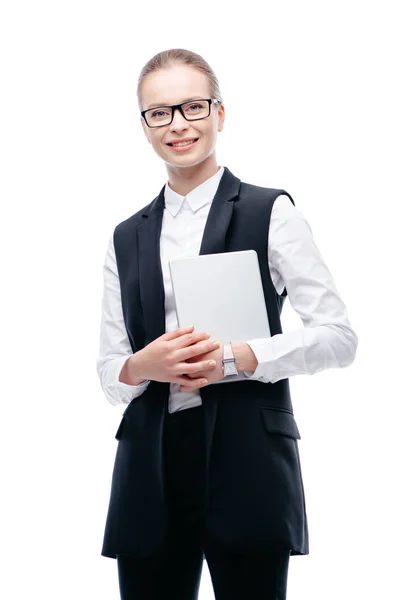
216	374
167	359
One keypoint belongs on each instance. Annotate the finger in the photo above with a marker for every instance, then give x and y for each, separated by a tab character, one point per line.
170	335
187	339
190	384
202	347
186	388
192	369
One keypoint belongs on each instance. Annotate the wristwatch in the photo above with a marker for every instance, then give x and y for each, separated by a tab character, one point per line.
229	362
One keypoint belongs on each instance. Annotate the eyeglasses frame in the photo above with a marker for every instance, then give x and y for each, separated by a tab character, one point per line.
179	107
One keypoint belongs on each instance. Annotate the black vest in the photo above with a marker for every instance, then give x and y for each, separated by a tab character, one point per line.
255	495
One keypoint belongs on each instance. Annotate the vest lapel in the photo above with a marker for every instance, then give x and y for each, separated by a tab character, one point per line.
150	270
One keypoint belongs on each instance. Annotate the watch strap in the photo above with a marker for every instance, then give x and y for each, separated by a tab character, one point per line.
229	362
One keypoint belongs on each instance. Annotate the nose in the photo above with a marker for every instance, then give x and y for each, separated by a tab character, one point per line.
179	121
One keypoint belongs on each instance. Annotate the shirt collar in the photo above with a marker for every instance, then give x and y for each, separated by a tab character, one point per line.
196	198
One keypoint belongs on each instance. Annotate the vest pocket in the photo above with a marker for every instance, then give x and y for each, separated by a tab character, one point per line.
281	422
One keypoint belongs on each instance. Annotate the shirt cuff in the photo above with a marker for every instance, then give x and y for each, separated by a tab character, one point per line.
125	391
263	353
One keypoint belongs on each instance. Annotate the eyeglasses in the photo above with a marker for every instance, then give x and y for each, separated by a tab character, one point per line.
194	110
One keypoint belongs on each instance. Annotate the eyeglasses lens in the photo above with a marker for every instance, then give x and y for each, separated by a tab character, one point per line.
163	115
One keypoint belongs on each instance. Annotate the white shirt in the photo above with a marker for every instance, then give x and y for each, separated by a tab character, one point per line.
326	340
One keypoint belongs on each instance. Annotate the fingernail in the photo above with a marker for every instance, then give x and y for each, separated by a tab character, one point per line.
216	344
212	363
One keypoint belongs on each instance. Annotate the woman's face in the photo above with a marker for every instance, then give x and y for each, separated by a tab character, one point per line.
174	85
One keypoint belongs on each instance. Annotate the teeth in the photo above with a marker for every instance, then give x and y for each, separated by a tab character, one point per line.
183	143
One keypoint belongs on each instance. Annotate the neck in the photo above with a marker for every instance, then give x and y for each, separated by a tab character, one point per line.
183	180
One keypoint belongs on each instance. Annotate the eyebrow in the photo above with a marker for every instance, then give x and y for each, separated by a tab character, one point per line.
188	100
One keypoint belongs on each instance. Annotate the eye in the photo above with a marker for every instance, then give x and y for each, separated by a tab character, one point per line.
195	106
156	113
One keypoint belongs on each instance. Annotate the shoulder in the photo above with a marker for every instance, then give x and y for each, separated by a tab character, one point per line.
262	194
287	224
284	210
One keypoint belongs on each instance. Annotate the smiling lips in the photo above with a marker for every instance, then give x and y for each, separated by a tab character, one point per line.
183	144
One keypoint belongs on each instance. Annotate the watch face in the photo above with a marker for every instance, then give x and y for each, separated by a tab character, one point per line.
230	369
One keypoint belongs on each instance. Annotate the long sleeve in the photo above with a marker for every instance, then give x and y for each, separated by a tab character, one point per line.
115	348
327	339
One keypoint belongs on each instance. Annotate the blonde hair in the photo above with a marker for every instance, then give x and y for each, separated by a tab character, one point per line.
169	58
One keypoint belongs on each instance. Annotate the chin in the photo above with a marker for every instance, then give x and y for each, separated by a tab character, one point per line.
184	161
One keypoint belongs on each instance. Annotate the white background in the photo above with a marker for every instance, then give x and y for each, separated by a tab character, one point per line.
311	98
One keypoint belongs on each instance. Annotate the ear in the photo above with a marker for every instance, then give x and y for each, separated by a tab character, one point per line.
221	117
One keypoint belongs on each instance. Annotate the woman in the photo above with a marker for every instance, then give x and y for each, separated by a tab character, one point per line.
207	471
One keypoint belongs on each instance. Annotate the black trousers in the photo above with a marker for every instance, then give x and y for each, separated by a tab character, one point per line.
174	572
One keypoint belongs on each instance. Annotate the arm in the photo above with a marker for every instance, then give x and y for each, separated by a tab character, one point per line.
115	349
246	360
327	339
